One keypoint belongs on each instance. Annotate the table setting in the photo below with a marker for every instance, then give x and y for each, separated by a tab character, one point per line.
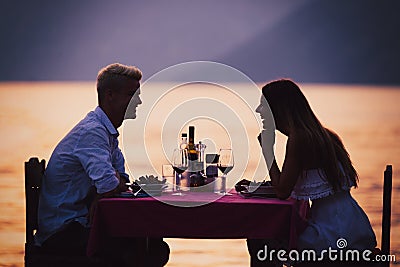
191	199
191	170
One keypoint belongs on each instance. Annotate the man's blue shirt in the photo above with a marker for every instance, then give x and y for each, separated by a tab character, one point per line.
87	156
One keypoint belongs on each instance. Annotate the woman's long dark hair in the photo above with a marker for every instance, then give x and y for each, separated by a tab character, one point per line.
289	106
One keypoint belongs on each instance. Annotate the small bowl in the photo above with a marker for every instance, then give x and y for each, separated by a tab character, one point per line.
153	189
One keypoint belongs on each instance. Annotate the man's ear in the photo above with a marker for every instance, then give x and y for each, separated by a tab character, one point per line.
109	94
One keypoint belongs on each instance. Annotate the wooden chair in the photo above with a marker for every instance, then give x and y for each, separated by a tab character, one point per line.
33	180
385	238
386	212
35	256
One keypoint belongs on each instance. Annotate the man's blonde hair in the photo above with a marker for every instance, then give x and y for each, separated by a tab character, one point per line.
113	76
119	69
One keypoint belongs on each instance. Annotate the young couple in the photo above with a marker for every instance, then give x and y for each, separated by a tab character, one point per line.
88	164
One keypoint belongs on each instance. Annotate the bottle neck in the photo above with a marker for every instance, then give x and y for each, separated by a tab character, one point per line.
191	137
192	153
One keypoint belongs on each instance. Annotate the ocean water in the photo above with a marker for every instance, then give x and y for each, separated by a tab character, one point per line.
35	116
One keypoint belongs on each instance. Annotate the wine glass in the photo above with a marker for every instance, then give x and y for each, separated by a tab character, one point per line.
225	165
180	164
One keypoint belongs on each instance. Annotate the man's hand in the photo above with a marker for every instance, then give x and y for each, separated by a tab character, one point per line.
122	183
120	188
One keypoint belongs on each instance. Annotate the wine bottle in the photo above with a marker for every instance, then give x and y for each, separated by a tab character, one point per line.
183	144
184	174
193	159
192	153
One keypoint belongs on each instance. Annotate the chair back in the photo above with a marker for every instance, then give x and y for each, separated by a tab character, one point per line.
386	212
33	181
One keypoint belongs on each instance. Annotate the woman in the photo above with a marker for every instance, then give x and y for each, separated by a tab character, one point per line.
317	167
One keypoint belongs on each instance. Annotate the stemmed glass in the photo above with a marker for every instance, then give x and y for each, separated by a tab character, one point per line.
180	164
225	165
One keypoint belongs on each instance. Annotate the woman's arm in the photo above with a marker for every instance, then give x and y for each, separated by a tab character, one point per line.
285	180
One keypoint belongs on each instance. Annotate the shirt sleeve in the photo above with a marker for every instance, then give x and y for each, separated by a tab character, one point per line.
94	153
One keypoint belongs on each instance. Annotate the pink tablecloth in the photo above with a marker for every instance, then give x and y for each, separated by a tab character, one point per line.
228	217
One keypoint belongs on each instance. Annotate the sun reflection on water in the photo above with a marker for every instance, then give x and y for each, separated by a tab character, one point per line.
35	116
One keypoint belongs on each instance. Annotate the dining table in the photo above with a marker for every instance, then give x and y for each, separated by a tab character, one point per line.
196	215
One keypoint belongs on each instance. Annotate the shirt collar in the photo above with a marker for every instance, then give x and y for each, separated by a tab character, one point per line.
106	121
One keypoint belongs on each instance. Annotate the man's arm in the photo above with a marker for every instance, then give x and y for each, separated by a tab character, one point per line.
120	188
94	153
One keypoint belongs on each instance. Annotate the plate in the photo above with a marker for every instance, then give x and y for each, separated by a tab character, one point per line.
132	195
260	191
153	189
247	194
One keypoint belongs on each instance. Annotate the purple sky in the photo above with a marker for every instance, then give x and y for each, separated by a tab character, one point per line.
333	41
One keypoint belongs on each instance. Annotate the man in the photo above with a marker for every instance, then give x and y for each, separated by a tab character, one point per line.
86	163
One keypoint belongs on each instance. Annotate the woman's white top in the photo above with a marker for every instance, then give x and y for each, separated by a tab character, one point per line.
336	218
